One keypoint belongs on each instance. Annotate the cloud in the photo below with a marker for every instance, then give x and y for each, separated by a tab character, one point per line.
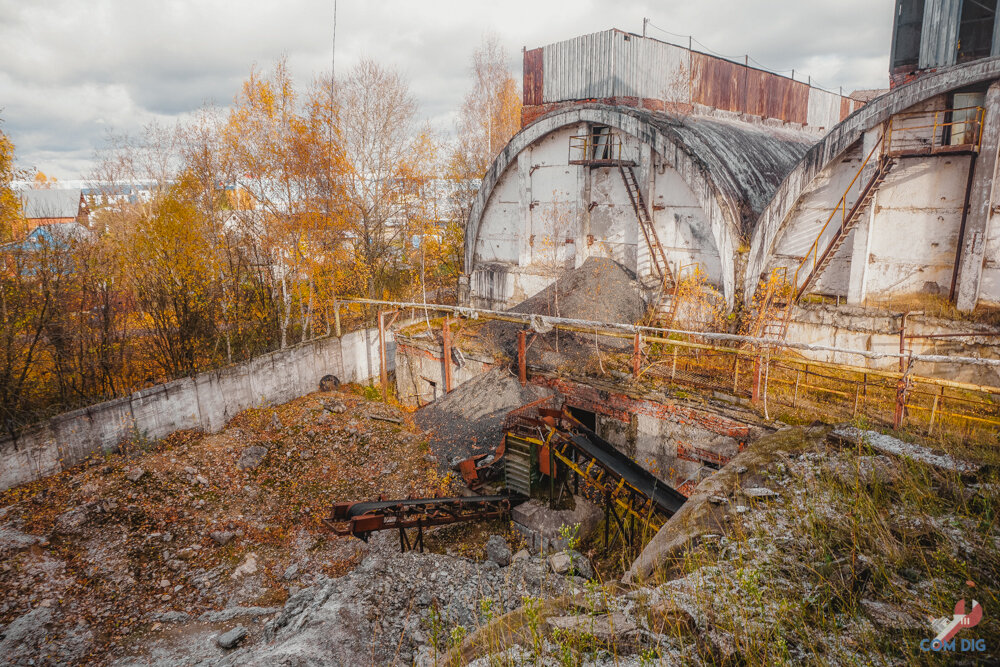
73	70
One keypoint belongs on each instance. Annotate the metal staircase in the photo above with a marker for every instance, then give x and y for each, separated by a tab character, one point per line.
813	262
666	305
775	308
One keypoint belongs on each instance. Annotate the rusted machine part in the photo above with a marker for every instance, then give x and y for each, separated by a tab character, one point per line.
360	519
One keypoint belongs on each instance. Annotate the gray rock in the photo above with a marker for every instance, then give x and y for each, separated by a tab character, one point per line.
604	627
222	537
275	422
251	457
498	551
560	562
231	638
580	565
336	407
520	555
291	572
134	473
759	492
73	521
172	617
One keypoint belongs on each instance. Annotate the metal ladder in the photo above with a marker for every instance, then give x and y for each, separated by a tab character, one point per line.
849	218
665	306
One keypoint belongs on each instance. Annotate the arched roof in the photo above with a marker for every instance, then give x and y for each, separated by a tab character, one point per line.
732	167
844	135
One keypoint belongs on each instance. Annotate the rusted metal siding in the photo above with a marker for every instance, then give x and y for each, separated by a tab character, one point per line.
620	68
939	34
717	83
772	96
534	77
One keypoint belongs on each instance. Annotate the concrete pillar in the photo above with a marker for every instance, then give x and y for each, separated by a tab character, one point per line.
973	245
524	208
857	286
644	179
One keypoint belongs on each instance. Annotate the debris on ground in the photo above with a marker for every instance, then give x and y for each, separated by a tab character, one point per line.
896	447
469	420
91	559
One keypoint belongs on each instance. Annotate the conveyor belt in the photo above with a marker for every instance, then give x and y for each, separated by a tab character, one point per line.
620	480
666	499
363	518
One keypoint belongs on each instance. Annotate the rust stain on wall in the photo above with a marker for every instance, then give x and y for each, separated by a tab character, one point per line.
533	77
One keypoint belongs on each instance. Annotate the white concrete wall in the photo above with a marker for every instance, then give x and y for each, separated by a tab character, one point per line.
546	215
420	371
206	401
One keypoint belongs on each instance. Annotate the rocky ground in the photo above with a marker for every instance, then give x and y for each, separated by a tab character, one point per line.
812	545
214	529
805	549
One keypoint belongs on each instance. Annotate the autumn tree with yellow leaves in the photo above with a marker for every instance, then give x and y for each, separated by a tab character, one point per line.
489	117
240	230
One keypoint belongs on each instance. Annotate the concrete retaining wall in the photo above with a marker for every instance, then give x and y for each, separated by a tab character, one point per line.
205	401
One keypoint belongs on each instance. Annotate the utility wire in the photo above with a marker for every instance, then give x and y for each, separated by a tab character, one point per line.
691	40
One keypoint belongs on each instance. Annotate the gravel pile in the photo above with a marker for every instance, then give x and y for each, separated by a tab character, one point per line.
386	610
599	290
468	421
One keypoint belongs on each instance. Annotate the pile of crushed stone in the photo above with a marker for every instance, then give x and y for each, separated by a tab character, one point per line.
392	609
599	290
468	421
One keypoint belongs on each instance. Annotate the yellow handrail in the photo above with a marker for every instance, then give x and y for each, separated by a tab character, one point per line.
842	207
584	145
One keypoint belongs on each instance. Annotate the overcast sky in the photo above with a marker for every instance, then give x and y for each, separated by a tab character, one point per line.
70	70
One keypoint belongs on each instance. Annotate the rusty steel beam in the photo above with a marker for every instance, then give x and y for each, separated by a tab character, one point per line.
522	362
636	354
363	518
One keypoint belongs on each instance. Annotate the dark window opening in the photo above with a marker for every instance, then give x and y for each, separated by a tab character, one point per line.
601	141
909	22
975	29
587	417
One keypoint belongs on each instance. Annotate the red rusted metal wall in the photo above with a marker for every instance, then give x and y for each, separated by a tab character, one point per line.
729	86
772	96
533	77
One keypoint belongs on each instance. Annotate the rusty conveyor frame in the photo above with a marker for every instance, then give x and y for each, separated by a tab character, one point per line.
360	519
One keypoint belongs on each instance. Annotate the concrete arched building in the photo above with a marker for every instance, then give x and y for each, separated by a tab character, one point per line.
703	142
897	201
556	196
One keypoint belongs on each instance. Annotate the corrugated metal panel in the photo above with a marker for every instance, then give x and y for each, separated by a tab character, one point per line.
773	96
654	69
717	83
534	76
581	68
939	34
824	108
616	64
846	107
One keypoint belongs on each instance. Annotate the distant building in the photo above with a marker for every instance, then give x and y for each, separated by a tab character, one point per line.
52	206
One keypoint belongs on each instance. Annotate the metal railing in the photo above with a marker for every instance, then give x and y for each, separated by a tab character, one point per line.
937	131
585	148
814	250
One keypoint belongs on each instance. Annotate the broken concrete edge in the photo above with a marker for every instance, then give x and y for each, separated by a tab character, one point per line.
702	514
888	444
